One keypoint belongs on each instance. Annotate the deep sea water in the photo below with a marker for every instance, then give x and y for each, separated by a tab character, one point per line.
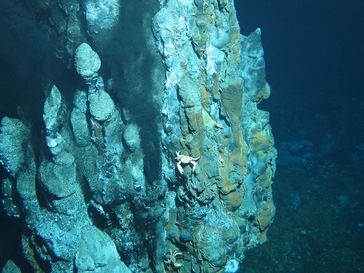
314	59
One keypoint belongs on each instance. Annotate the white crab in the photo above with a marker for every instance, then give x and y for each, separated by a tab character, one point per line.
185	160
172	258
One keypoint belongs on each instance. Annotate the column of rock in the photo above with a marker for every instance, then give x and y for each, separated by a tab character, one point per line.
113	165
220	203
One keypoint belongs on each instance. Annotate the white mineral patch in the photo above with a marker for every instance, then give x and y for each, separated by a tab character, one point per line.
54	141
101	14
214	58
51	109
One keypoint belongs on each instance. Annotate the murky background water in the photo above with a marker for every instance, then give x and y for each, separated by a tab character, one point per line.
314	55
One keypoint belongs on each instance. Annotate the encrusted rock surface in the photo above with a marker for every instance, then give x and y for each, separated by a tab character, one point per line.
13	141
101	191
11	267
87	61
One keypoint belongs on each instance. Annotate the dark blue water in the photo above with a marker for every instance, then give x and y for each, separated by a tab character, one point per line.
314	51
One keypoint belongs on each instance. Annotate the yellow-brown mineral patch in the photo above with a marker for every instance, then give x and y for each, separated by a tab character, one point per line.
233	199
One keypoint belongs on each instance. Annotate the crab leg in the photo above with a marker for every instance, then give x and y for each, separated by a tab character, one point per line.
193	165
179	167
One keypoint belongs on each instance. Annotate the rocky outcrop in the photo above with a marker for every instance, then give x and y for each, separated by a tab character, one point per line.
11	267
215	77
101	191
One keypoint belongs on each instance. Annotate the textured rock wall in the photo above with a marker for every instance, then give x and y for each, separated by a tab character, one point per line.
162	161
214	80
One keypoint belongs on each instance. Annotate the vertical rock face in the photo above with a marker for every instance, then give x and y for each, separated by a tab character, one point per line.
162	161
214	80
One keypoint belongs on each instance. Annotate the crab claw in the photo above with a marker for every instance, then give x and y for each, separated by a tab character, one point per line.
179	168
